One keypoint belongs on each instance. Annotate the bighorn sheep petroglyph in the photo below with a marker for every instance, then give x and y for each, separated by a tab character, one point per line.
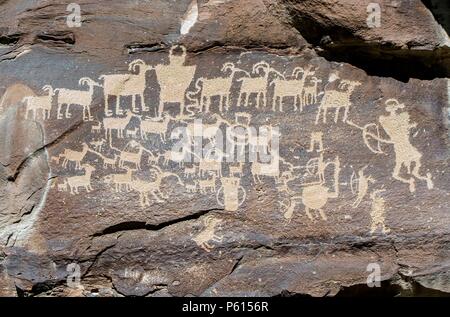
211	87
123	85
43	103
310	93
144	188
337	99
82	98
290	88
256	85
121	180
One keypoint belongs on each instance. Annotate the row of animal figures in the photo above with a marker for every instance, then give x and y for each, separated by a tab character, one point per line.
202	177
252	85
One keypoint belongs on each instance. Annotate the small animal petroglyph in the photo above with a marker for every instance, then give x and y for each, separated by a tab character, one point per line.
310	93
72	156
84	181
211	87
208	234
98	145
209	184
121	180
155	126
118	124
144	188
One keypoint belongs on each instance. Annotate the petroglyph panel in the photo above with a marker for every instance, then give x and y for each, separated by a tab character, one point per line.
271	147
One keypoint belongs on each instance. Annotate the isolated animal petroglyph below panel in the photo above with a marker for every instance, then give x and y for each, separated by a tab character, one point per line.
125	151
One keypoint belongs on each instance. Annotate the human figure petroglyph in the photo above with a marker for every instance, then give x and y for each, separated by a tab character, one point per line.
75	182
155	126
118	124
70	97
398	127
73	156
144	188
42	103
121	180
256	85
212	87
230	189
124	85
377	212
337	99
290	88
174	80
208	234
316	167
315	196
310	93
363	182
316	138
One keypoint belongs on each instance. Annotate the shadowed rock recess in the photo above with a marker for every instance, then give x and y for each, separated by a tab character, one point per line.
343	129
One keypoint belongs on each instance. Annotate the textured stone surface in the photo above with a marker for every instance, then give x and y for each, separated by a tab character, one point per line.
127	241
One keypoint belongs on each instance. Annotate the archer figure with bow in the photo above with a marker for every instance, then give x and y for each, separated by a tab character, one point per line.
397	126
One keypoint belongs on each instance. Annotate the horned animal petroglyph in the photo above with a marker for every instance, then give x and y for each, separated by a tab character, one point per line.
208	235
43	103
337	99
123	85
81	98
75	182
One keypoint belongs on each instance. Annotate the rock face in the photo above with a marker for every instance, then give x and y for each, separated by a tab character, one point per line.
223	148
